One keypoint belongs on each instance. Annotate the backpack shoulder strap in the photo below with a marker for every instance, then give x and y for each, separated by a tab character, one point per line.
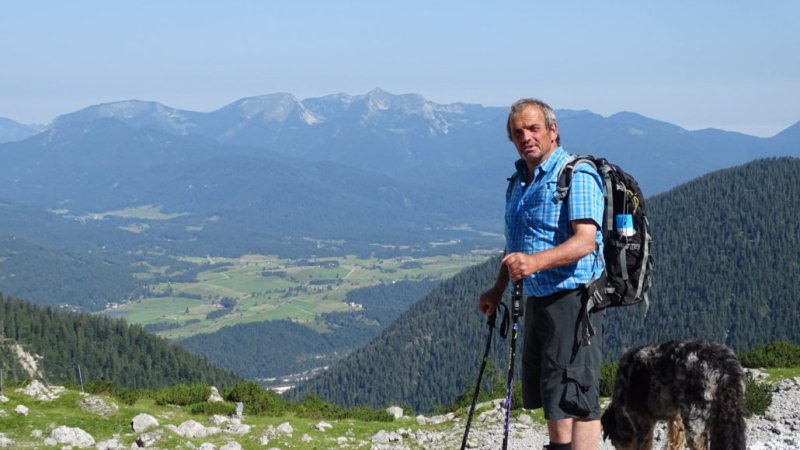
565	174
511	180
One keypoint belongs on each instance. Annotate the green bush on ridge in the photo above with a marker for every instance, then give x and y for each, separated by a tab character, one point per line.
775	354
212	408
183	394
757	397
256	399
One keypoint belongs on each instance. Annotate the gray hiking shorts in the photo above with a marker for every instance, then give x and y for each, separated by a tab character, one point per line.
558	374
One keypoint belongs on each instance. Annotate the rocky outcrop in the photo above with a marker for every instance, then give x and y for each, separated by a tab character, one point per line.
39	391
70	436
143	422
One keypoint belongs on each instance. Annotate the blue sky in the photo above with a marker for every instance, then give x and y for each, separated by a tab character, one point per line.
721	64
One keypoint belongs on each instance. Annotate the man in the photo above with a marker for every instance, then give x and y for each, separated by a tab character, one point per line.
556	248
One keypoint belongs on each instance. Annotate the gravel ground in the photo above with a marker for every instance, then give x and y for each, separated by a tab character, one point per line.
777	429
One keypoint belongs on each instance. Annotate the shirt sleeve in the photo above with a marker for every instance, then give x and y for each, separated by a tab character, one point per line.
586	195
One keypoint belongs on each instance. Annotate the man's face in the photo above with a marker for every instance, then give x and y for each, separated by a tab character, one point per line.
533	140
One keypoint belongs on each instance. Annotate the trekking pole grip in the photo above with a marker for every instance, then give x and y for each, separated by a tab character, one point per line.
516	299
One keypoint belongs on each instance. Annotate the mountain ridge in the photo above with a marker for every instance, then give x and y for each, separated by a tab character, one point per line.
368	130
376	174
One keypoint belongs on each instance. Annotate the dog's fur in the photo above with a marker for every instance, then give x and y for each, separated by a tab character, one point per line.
696	386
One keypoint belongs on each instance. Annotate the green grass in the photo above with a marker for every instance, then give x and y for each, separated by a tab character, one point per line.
45	416
269	288
778	374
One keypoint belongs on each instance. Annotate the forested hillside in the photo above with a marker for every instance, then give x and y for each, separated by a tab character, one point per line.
426	357
63	278
726	249
104	349
284	347
727	258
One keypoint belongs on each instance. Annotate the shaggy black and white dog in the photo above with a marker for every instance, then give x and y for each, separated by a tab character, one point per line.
696	386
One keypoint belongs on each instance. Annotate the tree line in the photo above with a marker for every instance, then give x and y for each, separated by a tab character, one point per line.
104	349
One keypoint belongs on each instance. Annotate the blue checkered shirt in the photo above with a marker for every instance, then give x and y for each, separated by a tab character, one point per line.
535	221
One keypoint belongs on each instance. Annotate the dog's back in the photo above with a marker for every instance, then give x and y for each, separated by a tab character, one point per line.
712	395
696	381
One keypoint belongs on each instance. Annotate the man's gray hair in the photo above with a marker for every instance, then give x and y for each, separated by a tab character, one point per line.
522	104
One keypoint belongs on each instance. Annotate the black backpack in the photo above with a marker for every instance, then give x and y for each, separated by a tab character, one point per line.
628	256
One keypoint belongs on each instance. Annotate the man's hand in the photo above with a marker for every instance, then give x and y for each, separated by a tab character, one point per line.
490	300
520	265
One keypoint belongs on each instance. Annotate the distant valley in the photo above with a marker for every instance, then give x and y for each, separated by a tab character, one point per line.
130	202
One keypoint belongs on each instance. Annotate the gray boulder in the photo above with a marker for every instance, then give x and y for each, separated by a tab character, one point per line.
149	439
215	397
5	442
97	405
143	422
72	436
193	429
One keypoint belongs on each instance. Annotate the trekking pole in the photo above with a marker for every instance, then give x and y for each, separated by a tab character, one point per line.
516	313
490	322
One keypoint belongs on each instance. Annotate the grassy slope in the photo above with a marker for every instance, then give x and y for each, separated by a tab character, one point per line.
44	416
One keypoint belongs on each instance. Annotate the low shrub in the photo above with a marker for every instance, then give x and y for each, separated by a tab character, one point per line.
608	372
775	354
367	414
183	394
125	395
757	397
209	408
313	407
257	400
128	396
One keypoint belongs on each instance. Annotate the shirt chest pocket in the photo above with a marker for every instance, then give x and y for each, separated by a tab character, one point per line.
540	207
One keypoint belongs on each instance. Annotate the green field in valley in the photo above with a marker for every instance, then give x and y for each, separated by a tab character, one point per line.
255	288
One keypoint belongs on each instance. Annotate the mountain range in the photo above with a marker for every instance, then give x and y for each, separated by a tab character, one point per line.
128	183
377	168
409	136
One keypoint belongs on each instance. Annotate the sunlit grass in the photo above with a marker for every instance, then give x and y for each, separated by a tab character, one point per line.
269	288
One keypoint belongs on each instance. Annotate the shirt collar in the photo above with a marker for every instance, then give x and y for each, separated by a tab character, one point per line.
553	161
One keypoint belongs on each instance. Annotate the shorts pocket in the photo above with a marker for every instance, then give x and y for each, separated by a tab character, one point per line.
577	398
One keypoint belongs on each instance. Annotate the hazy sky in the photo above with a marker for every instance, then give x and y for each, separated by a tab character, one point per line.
723	64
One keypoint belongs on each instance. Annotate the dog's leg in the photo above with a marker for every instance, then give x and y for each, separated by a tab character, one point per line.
696	434
676	436
646	438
